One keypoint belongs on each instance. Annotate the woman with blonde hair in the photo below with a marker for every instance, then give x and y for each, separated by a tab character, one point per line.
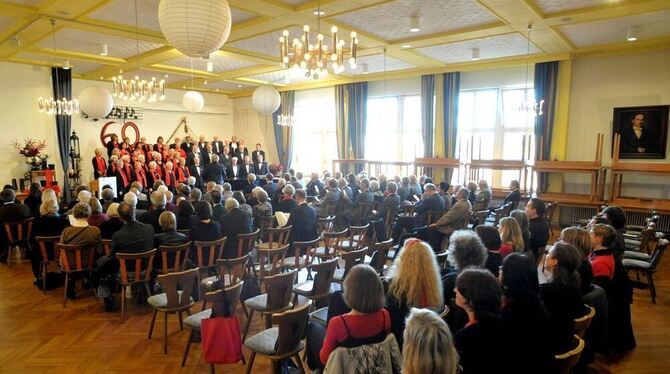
580	239
510	234
414	282
429	347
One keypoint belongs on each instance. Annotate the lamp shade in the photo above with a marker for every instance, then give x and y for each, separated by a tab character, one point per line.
195	27
193	101
266	99
95	101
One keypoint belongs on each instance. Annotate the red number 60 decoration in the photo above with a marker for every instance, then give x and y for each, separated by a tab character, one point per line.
105	137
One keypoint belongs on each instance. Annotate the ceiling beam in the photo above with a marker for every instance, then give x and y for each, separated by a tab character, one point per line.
607	11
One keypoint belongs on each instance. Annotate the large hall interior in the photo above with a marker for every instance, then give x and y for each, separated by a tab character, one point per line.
341	186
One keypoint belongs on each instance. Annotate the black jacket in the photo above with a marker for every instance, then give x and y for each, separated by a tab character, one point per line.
197	172
233	223
214	172
133	237
151	217
254	156
110	227
303	220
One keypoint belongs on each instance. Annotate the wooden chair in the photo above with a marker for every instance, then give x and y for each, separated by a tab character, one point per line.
319	288
501	213
433	216
49	253
281	342
647	267
229	271
351	259
325	224
332	241
107	246
380	251
276	237
176	298
276	299
566	361
75	259
173	257
246	243
23	230
263	224
270	261
303	256
582	323
207	252
549	215
361	212
357	238
389	220
224	303
328	210
134	268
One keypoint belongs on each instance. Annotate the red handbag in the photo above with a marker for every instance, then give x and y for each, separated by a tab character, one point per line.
221	343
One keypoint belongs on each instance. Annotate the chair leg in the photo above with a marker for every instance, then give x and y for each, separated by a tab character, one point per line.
67	279
153	321
187	348
652	287
181	323
211	368
251	362
246	328
299	361
123	303
165	337
43	274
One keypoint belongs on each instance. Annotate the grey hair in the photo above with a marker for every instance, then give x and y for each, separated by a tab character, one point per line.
227	187
96	207
262	196
83	196
107	194
463	193
130	198
374	186
231	204
81	210
158	199
466	249
288	190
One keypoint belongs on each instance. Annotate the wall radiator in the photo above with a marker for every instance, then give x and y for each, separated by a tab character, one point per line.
570	215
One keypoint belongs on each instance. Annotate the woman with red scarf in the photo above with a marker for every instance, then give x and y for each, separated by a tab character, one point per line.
158	147
114	143
122	177
170	177
99	164
154	174
140	174
182	171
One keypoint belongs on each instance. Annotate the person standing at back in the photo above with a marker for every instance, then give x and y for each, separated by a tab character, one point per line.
537	225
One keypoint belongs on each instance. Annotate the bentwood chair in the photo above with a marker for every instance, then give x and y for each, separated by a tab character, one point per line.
582	323
351	259
332	241
49	253
357	238
276	237
566	361
380	252
134	269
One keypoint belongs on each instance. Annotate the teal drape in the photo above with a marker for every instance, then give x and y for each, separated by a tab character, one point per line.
284	134
450	94
351	102
546	81
428	113
61	82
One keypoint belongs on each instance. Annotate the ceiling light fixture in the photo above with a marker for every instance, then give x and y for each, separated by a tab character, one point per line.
631	35
136	88
313	59
530	106
64	106
319	12
475	54
239	86
66	65
405	46
103	50
414	24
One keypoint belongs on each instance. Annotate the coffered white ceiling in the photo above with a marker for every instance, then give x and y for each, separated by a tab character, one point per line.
449	30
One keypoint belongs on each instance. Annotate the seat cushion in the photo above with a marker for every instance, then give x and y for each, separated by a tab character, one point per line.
213	282
160	300
636	264
321	251
637	255
194	321
290	262
320	316
304	288
259	303
338	276
264	342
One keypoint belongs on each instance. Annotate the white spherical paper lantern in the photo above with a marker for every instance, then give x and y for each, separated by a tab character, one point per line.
266	99
195	27
193	101
95	101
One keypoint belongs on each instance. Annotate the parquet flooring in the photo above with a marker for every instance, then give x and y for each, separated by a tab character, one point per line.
38	335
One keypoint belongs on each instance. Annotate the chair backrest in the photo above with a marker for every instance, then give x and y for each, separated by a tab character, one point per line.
551	209
332	241
76	257
246	243
23	230
173	257
325	224
207	252
233	267
48	247
263	224
381	250
357	236
279	289
480	216
363	211
224	301
324	276
138	264
278	237
274	256
182	281
582	323
353	258
442	260
390	217
656	255
186	232
503	212
648	241
433	215
292	324
305	249
566	361
107	246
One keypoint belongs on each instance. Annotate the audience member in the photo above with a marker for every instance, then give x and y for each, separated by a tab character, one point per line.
186	217
456	218
97	216
510	234
158	202
49	223
232	223
303	221
428	345
580	239
263	208
34	199
205	229
113	223
482	197
522	219
491	240
287	203
217	208
537	225
10	212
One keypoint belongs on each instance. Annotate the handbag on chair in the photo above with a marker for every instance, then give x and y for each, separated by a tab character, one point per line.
221	343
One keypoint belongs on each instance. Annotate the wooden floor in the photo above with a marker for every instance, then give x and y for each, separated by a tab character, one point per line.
38	335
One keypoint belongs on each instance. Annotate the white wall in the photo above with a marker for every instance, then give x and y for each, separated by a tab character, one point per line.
598	86
21	85
254	128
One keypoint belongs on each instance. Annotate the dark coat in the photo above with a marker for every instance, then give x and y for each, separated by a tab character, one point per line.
133	237
151	217
197	172
254	156
109	227
233	223
214	172
303	220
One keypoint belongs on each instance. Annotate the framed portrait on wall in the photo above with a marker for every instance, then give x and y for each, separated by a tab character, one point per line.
643	129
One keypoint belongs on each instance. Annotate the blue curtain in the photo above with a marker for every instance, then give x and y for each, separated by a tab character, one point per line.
428	113
351	101
284	134
546	81
451	90
61	82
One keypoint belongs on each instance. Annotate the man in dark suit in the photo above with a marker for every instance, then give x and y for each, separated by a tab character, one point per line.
187	144
133	237
270	187
637	138
214	171
202	144
196	171
363	197
225	158
235	170
10	212
195	152
260	166
242	152
303	220
113	143
315	187
232	223
207	155
431	201
247	166
537	225
256	153
217	145
150	217
218	209
332	197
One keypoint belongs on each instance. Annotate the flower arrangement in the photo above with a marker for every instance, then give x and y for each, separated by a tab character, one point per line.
276	169
32	150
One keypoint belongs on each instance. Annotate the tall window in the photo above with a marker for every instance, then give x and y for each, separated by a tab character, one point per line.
394	128
491	127
315	143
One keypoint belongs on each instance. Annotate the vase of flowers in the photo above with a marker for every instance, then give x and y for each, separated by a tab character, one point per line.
33	151
276	169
